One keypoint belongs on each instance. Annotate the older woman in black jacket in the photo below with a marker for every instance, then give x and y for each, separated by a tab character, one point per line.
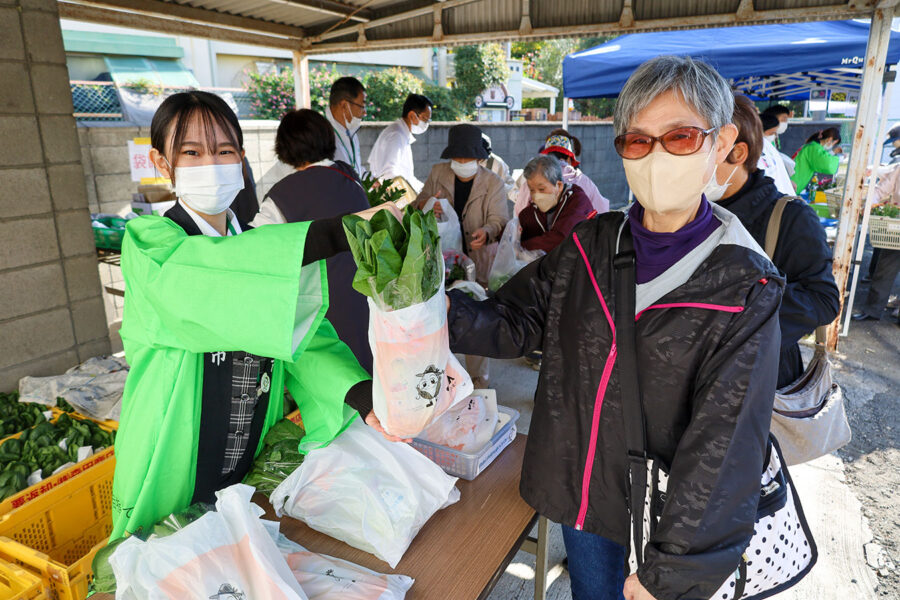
802	254
707	352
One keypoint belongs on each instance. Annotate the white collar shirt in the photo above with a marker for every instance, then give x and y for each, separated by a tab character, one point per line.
346	145
206	228
392	156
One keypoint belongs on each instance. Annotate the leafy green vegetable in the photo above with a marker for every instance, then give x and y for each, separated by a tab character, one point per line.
398	264
64	406
16	416
41	447
279	457
381	193
886	210
104	581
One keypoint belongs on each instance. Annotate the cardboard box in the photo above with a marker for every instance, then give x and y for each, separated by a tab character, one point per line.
156	192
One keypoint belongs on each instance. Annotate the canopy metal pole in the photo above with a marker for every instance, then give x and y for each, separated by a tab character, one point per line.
870	198
565	111
863	138
301	80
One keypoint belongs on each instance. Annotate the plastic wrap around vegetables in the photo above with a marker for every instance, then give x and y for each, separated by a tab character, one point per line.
401	270
279	457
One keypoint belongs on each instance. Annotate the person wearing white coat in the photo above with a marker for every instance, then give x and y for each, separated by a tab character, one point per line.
391	155
770	161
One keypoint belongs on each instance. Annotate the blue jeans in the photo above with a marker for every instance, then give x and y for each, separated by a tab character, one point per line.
596	565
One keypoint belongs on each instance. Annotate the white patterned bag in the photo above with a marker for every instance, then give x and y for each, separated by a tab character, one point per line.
782	550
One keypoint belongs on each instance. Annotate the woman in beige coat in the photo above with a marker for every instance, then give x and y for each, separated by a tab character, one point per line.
479	198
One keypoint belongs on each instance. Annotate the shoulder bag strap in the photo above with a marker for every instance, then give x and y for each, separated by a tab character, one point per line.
774	226
772	230
632	407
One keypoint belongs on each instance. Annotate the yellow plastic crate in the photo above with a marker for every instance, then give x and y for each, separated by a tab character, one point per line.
57	535
17	583
884	232
49	484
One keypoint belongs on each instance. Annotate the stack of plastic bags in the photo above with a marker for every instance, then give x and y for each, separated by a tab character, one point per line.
230	553
466	427
366	491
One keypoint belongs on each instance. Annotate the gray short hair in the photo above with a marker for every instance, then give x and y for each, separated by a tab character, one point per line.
699	84
546	166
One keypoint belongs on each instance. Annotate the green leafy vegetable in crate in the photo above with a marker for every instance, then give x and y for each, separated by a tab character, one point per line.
41	448
16	416
886	210
379	194
398	264
279	457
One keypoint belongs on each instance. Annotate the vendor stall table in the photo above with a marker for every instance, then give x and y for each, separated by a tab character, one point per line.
464	549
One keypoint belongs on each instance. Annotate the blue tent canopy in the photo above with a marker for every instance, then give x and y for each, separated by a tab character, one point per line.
783	62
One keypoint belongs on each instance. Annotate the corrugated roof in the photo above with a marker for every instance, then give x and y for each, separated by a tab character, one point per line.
338	25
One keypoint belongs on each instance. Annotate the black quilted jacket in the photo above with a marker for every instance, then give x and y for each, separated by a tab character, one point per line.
708	346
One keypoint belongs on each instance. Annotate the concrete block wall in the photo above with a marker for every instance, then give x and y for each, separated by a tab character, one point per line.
51	310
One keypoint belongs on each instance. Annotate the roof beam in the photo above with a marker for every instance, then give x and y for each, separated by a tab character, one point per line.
157	8
329	7
402	16
81	12
850	10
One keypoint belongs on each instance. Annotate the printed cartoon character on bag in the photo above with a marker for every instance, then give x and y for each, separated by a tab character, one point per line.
228	592
429	384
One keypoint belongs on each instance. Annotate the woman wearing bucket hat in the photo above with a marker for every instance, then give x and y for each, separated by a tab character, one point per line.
563	147
479	199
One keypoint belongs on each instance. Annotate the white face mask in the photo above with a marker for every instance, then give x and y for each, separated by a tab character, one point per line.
544	201
782	127
770	138
714	191
665	183
354	124
419	128
464	170
209	189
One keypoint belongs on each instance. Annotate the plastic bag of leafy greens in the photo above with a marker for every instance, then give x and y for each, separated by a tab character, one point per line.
401	269
279	457
104	581
511	256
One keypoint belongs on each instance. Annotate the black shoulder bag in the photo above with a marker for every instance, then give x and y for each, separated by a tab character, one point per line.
781	551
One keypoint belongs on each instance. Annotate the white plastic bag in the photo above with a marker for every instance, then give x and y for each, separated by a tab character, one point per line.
470	288
94	388
511	256
227	554
468	426
415	376
366	491
324	577
448	224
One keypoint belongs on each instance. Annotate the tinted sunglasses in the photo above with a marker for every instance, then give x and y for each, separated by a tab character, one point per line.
681	142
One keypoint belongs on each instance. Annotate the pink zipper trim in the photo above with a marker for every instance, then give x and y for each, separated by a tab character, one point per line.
719	307
607	375
598	401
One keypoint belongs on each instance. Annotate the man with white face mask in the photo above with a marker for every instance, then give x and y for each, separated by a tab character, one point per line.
391	155
478	197
346	110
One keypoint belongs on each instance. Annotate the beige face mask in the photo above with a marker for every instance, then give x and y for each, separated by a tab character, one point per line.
545	201
665	183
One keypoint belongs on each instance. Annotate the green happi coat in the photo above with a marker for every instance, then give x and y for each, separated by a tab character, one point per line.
187	295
